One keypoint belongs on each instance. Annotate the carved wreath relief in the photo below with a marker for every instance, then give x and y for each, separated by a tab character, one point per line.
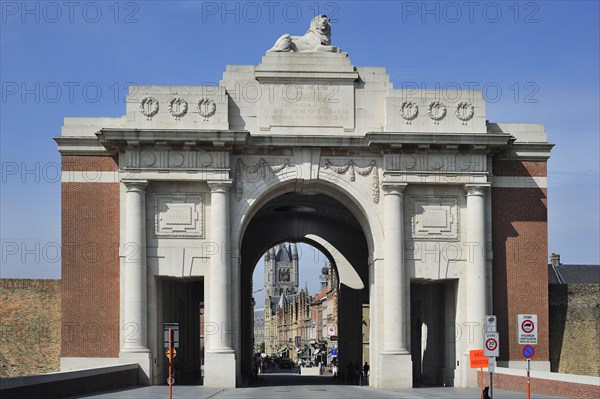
149	107
464	111
179	215
436	111
409	111
206	108
178	107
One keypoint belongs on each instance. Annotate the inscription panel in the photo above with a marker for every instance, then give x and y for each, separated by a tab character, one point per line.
322	104
179	215
434	218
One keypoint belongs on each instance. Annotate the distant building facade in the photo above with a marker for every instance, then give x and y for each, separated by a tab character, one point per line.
281	283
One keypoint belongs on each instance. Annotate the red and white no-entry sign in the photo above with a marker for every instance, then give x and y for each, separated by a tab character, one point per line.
527	329
490	345
527	326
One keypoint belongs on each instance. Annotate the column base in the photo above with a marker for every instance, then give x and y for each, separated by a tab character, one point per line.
219	370
395	371
144	359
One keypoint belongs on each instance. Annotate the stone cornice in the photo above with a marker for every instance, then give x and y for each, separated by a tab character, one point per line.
119	138
528	152
73	145
474	141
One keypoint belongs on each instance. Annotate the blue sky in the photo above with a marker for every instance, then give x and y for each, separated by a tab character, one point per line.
537	61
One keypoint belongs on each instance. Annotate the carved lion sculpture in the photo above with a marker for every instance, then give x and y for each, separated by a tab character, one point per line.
317	38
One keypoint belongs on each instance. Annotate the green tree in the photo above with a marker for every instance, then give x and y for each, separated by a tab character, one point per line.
262	347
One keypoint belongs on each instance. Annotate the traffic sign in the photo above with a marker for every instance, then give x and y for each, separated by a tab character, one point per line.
527	331
334	352
490	323
175	334
331	330
477	359
171	353
491	364
491	347
170	380
528	351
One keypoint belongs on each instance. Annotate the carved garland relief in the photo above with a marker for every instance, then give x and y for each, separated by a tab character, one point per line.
353	169
259	170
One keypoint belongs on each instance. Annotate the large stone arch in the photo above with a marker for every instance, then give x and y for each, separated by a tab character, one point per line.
362	208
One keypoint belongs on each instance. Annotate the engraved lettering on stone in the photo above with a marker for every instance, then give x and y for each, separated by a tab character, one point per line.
206	108
434	218
178	107
436	111
179	215
353	169
149	107
409	111
464	111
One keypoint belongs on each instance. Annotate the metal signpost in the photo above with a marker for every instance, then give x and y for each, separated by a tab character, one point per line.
478	361
491	369
527	334
171	341
491	348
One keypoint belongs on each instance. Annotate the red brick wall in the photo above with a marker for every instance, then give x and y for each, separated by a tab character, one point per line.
520	245
520	169
539	386
89	163
90	262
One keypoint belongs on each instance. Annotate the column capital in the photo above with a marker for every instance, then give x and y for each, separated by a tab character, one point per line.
135	184
393	188
479	189
220	186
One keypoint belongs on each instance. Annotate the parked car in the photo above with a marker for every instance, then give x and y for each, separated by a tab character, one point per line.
286	363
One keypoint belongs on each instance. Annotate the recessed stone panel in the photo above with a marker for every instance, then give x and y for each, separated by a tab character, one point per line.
434	218
179	215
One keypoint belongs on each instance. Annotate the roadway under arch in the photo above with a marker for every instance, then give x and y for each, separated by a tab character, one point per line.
298	217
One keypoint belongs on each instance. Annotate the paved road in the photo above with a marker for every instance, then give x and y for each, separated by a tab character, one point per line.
289	385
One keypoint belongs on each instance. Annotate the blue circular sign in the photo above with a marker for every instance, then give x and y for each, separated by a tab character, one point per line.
528	351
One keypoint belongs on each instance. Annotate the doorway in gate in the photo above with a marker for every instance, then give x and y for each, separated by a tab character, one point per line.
433	332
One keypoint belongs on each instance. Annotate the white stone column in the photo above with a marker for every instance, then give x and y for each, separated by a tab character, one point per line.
394	282
135	324
220	367
396	365
476	263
